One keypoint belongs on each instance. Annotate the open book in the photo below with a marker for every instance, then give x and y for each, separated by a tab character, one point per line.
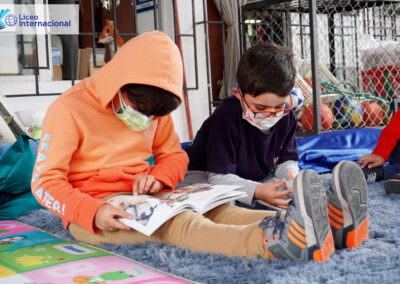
269	206
149	212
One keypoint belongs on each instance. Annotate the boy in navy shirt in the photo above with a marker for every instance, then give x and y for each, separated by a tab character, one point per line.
250	138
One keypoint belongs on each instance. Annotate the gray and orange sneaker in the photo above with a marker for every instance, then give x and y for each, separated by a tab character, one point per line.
304	233
348	205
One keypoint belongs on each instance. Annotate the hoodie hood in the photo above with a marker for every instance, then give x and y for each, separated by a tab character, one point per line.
151	58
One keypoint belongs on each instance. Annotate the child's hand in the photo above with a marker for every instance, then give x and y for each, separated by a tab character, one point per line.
270	193
146	184
105	218
371	161
289	182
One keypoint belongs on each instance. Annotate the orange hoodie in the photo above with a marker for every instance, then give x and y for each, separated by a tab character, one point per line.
86	152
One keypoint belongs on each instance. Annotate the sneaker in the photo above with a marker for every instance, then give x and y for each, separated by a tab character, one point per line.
392	185
348	206
304	233
373	174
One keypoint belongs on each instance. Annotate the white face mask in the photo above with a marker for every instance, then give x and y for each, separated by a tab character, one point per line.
134	119
261	123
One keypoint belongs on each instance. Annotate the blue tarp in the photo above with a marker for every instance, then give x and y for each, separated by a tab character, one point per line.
322	152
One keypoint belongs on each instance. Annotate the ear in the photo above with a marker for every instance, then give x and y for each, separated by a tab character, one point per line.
236	92
107	21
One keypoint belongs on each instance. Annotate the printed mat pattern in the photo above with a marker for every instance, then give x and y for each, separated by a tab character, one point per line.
28	255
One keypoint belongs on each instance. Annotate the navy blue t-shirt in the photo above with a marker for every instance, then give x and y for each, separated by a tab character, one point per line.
228	144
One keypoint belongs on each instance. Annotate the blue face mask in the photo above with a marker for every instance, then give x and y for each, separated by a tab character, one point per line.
132	118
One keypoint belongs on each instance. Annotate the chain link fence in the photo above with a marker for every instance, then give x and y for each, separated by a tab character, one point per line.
358	56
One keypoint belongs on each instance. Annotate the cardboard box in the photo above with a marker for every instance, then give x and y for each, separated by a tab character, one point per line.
57	73
98	64
100	60
83	61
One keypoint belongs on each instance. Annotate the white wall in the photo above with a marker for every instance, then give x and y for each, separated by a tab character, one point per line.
198	99
16	85
145	21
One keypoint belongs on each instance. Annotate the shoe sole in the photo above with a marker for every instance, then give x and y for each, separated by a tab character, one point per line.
392	186
351	189
313	208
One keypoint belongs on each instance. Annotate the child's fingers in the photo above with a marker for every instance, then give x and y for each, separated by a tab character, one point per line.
283	203
123	214
363	163
290	175
126	216
116	225
283	193
145	184
361	159
369	161
142	184
278	183
111	224
138	184
149	184
135	190
155	187
374	164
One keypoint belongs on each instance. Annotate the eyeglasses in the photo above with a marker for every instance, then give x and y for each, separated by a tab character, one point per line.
269	113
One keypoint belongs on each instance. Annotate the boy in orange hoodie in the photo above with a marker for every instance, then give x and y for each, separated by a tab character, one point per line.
97	136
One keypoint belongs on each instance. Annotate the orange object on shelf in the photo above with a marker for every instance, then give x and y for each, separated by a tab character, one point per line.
373	114
307	118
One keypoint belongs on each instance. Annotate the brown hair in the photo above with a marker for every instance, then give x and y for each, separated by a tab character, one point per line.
151	100
266	67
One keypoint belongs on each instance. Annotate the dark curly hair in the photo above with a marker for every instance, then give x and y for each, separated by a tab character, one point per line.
266	67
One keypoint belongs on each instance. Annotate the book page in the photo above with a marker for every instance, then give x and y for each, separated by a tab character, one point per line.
148	213
269	205
203	197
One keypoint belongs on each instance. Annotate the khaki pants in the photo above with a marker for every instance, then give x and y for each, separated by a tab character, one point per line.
226	229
